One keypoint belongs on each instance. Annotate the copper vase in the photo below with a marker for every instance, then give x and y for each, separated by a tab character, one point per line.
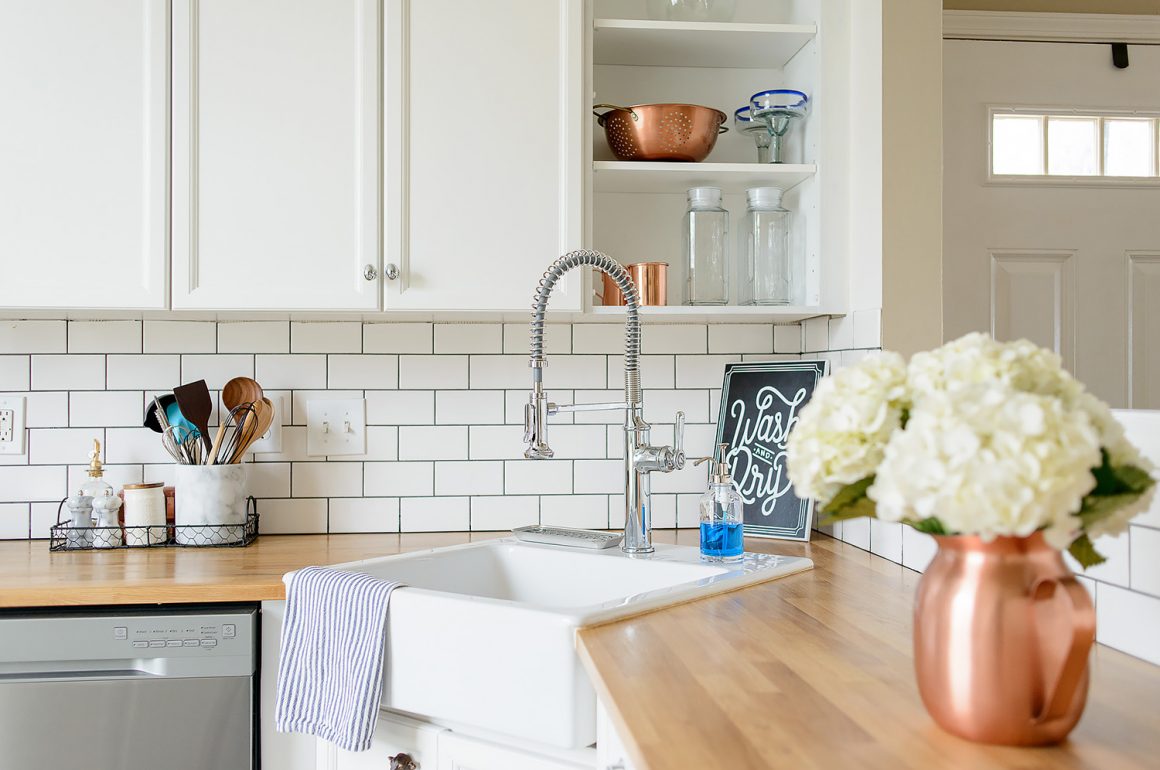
1002	632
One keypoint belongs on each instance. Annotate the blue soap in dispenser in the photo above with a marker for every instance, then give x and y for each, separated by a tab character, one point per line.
721	511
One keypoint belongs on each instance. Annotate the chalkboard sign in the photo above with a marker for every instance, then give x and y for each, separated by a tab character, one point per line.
760	402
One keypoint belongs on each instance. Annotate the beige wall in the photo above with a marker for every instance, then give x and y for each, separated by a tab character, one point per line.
1057	6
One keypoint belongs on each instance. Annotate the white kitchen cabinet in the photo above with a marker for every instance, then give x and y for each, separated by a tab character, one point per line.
394	735
83	153
276	154
462	752
483	173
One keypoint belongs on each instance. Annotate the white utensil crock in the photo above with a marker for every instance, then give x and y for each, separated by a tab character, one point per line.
210	496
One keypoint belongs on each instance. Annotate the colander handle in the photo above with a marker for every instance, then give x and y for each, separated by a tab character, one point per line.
722	129
600	116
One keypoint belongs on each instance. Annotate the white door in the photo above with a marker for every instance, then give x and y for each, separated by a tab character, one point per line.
83	153
482	171
275	157
1071	266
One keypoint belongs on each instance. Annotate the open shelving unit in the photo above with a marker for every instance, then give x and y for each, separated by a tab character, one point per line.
785	314
642	43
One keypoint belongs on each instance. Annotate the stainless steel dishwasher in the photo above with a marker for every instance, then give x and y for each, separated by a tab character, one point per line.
129	690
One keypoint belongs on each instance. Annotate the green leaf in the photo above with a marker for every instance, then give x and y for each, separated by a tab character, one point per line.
851	502
1106	483
1098	507
931	526
1132	478
1084	552
862	508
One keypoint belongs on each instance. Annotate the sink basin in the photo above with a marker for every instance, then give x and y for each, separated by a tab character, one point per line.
483	634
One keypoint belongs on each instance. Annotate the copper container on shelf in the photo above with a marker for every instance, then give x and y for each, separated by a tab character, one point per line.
684	133
1002	632
651	280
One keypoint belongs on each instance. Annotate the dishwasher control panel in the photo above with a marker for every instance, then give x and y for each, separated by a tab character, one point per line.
159	636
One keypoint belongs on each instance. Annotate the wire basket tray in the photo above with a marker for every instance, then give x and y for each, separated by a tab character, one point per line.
64	537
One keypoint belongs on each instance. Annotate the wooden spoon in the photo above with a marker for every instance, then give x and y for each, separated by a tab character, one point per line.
264	415
241	390
196	405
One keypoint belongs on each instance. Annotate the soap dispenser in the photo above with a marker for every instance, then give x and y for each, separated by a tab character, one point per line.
721	512
95	485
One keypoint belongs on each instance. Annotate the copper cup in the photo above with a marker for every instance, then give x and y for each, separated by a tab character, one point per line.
651	280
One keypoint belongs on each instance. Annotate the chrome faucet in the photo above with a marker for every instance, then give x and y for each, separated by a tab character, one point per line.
640	459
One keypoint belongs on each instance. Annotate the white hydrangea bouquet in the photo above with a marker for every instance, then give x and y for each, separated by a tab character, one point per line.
975	438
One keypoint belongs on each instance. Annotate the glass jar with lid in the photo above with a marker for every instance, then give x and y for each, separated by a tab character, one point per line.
706	241
766	273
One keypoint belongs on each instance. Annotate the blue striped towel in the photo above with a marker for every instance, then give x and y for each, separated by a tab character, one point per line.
330	672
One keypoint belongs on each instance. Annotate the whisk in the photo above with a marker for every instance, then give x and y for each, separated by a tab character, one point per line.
182	444
237	431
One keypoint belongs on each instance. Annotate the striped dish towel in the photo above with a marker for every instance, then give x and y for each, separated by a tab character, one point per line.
330	672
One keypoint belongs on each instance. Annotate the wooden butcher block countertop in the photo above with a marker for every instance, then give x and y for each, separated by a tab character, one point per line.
809	671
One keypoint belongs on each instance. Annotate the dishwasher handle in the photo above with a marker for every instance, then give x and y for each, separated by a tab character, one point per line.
124	668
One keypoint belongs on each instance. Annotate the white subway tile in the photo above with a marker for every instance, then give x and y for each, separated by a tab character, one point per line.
431	372
363	372
1142	428
616	512
85	372
293	517
116	476
514	401
144	372
583	511
655	372
574	442
434	514
13	521
856	532
468	338
787	338
469	478
134	445
469	407
689	479
403	407
398	479
841	333
611	417
918	548
179	337
741	338
49	446
674	338
46	409
325	337
497	442
500	514
300	398
661	406
323	479
495	372
1145	559
714	403
15	372
166	473
217	370
599	338
815	334
1128	621
689	511
538	477
1115	570
253	337
867	328
598	476
293	446
664	511
886	539
430	442
43	517
851	357
104	408
32	483
575	371
292	372
397	338
32	337
382	444
364	514
771	357
268	480
700	440
702	371
517	338
104	336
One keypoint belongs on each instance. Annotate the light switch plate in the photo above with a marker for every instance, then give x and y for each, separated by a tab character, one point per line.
12	422
336	427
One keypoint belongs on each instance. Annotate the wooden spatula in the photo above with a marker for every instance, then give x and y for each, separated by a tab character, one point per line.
197	406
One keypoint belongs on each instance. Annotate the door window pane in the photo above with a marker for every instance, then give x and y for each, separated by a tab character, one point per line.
1017	144
1129	147
1072	146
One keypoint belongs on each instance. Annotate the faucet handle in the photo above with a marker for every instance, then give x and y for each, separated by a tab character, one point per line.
679	441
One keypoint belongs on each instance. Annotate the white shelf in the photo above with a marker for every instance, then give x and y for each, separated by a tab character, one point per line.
697	44
720	314
655	177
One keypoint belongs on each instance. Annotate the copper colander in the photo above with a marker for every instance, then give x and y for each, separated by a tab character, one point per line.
673	132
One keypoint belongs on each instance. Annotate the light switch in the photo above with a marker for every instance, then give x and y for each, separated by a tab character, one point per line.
12	423
336	427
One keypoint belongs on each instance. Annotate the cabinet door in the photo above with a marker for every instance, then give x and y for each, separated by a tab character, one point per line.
393	736
83	153
459	752
483	165
275	153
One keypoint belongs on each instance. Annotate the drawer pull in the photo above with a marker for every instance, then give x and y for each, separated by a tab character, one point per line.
403	761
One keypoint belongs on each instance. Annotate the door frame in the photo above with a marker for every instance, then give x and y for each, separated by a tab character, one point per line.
1051	27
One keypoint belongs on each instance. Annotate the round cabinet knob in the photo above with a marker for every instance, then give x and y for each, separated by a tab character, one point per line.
392	271
370	273
403	761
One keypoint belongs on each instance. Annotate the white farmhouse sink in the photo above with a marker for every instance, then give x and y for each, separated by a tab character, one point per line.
483	634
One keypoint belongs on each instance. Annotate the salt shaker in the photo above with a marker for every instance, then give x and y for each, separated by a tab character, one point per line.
108	531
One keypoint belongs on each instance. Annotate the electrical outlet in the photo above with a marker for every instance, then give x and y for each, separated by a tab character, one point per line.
12	423
271	440
336	427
